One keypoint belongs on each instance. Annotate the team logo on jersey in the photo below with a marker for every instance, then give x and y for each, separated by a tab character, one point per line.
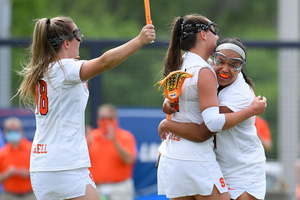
222	182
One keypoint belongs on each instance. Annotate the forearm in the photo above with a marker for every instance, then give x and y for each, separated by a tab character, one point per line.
190	131
235	118
218	122
117	55
109	59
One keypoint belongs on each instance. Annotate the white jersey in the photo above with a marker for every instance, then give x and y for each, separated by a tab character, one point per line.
239	150
189	111
59	142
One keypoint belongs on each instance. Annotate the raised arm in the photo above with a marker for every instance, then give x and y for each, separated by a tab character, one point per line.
115	56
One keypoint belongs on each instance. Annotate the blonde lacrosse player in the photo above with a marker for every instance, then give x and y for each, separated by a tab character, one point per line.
55	81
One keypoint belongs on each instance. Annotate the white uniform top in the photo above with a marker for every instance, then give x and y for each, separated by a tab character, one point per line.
189	111
239	150
59	142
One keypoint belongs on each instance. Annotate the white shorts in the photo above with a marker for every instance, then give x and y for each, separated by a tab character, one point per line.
256	189
179	178
60	185
116	191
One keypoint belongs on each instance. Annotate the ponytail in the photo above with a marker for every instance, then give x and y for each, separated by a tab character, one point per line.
42	53
173	59
180	41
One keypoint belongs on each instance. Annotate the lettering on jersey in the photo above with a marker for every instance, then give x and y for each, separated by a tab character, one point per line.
222	182
172	136
40	148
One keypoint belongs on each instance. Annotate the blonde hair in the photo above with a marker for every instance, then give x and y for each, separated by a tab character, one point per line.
42	53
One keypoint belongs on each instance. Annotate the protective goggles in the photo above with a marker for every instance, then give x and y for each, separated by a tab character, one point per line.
220	58
213	28
58	40
77	35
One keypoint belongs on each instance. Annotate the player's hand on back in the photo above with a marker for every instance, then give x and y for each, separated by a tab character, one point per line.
259	105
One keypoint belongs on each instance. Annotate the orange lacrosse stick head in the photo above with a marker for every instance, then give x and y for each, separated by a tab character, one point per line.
173	84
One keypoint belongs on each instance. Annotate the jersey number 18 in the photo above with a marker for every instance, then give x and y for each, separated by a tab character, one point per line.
41	98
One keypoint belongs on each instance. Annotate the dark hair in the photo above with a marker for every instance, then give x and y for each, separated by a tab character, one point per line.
173	58
238	42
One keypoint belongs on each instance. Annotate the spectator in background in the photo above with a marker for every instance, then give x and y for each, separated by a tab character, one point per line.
113	154
264	133
14	165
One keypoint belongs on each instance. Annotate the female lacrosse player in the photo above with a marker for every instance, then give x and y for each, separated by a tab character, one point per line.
189	170
56	82
239	150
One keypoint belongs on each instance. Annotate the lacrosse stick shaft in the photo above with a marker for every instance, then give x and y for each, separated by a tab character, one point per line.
148	14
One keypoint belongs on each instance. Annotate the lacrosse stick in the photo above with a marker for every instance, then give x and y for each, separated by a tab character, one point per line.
148	14
172	89
172	85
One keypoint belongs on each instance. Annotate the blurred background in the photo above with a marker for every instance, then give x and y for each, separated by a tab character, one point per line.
270	30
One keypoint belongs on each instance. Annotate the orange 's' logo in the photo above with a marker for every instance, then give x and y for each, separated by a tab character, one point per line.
222	182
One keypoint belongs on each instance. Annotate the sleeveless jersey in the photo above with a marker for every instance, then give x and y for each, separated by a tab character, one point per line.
189	111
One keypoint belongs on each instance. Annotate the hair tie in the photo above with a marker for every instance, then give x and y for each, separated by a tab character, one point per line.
181	20
48	21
